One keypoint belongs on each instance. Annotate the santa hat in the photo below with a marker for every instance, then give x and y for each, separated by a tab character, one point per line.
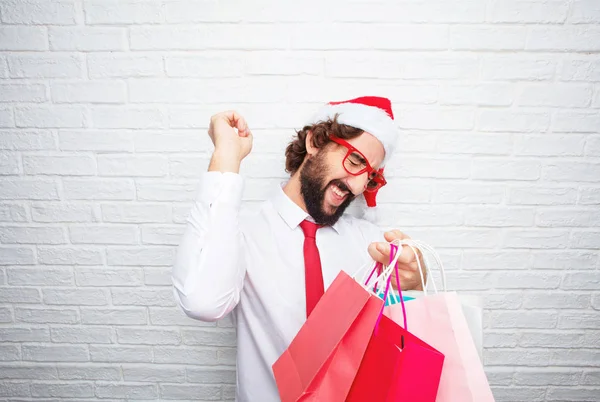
372	114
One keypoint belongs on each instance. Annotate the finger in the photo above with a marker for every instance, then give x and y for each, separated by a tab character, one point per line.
407	256
242	127
378	252
247	132
411	272
384	249
395	235
247	139
240	123
408	267
234	119
405	279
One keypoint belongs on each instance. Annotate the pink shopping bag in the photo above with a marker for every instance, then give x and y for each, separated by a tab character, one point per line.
439	320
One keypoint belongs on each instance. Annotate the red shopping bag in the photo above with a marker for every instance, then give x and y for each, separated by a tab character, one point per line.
323	358
391	371
397	366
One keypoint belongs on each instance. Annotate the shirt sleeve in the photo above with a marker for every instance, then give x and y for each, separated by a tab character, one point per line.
208	274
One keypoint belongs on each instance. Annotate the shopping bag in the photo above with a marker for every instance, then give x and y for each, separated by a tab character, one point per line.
439	320
397	366
322	360
394	299
472	307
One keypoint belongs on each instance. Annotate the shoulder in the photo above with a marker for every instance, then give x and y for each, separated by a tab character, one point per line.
254	213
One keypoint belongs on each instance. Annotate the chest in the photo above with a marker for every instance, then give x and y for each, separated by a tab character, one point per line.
275	270
277	257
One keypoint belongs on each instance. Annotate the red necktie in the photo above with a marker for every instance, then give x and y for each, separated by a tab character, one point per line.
312	266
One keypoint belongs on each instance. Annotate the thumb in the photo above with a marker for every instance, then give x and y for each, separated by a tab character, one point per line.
382	252
383	248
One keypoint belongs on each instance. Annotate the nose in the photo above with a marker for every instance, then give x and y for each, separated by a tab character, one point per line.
358	184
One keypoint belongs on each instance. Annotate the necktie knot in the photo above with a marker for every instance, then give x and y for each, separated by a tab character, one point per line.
309	228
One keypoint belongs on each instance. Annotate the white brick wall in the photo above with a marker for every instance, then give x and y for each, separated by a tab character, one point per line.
104	106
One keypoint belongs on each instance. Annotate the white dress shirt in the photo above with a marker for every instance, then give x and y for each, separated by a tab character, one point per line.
254	266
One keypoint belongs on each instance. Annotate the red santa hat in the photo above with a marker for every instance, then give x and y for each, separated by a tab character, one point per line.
372	114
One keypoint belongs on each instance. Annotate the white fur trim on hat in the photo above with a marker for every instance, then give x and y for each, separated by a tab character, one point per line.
371	119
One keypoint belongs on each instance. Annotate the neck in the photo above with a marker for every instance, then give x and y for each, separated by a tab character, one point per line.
292	190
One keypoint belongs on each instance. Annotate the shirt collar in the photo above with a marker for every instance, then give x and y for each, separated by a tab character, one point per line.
289	211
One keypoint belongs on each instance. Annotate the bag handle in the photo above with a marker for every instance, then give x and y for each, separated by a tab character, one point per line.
382	274
395	252
419	245
400	295
415	245
371	282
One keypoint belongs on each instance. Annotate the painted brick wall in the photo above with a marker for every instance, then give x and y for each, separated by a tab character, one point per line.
104	106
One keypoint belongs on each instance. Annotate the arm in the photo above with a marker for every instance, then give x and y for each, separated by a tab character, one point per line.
208	274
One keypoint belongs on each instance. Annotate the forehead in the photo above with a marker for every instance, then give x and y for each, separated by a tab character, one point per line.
370	147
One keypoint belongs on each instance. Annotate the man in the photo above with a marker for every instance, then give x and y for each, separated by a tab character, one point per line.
271	269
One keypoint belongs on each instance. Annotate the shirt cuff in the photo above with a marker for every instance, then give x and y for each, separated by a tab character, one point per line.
221	188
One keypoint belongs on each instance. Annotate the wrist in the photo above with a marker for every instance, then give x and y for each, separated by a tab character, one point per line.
224	161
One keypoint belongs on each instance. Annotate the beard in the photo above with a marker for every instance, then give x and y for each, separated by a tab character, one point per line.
313	186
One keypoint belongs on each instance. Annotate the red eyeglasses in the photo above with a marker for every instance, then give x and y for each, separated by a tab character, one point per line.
356	164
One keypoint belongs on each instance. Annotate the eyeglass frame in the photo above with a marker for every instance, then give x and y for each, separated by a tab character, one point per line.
367	168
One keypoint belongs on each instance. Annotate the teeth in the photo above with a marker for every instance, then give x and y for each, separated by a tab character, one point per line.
337	191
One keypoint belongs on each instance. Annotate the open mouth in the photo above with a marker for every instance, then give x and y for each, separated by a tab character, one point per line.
337	195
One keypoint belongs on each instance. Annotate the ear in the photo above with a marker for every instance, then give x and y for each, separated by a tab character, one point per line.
311	150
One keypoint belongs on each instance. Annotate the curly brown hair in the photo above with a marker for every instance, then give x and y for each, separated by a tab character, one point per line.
296	150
